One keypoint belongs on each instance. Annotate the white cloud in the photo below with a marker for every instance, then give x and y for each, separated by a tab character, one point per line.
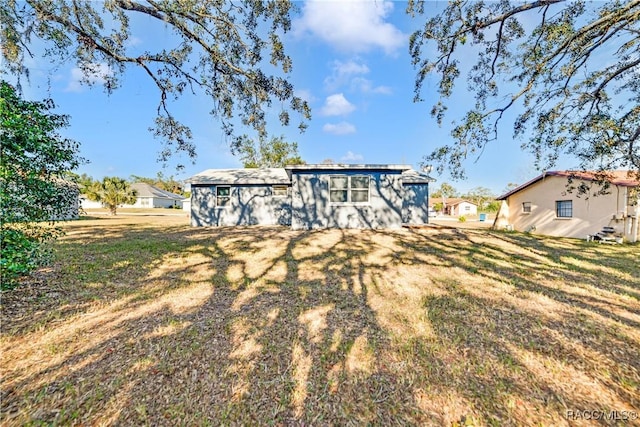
337	105
133	41
305	94
342	128
352	157
352	26
341	72
366	86
96	75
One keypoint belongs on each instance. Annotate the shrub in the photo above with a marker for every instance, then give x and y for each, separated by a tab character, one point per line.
23	250
462	218
35	190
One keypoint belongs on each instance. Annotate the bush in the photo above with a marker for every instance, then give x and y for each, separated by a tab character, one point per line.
462	218
35	185
23	250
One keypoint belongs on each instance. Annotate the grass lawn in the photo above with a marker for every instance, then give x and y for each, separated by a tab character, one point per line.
147	321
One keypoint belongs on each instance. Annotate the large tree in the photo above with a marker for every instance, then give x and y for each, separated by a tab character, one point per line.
276	153
112	192
480	196
230	52
570	70
34	191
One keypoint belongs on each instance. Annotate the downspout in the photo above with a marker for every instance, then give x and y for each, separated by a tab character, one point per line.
635	219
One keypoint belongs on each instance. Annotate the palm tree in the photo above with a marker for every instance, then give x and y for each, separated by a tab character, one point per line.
112	192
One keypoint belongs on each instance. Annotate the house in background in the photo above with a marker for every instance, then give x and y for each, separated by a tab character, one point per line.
311	196
459	207
546	206
86	203
149	196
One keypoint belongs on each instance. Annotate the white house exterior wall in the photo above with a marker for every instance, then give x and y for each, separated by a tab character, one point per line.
461	209
154	202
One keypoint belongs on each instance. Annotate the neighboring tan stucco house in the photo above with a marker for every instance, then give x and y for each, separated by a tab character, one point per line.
547	205
311	196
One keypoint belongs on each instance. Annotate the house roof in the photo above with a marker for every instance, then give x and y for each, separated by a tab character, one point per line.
241	176
412	176
281	175
619	177
453	201
145	190
342	166
450	201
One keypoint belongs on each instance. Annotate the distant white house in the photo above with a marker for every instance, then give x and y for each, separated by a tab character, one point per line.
456	207
85	203
149	196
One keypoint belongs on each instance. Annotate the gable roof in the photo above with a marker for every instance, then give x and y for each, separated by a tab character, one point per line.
622	178
145	190
450	201
343	166
241	176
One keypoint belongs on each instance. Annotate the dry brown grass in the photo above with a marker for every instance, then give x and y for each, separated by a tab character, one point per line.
147	321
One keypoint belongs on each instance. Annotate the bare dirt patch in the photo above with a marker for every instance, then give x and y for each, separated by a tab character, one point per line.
145	320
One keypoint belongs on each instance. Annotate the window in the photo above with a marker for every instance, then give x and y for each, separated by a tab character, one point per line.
526	207
223	195
359	189
279	191
467	208
344	189
564	208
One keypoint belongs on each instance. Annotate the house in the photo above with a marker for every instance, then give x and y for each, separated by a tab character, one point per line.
149	196
459	207
311	196
86	203
547	205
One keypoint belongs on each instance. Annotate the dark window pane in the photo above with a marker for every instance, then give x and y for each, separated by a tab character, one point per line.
338	196
359	182
359	196
338	182
564	209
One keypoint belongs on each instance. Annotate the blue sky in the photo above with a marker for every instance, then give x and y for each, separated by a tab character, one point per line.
350	62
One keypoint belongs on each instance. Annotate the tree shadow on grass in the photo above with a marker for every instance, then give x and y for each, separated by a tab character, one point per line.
264	325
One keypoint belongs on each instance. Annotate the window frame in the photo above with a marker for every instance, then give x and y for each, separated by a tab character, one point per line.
350	189
227	197
526	207
563	211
